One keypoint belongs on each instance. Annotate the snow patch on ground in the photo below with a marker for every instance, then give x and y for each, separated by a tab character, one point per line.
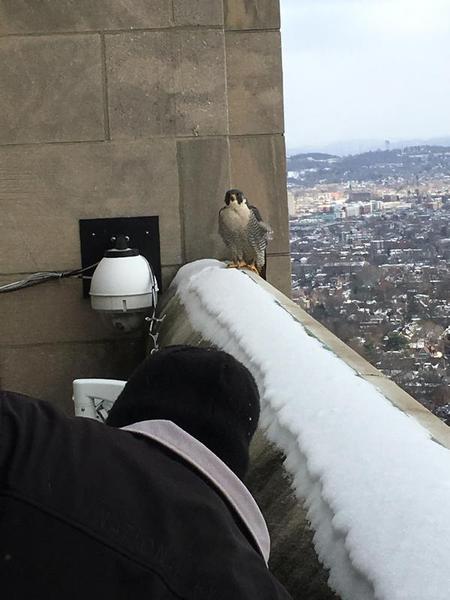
376	486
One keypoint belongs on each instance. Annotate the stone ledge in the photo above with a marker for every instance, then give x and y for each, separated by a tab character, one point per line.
390	390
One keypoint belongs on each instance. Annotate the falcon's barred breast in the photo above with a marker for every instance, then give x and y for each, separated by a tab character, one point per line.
243	231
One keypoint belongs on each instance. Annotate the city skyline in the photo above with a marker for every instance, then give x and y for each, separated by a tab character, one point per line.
365	70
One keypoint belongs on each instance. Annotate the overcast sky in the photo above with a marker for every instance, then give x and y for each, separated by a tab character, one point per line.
365	69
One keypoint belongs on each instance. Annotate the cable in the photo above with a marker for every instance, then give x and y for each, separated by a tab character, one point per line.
42	277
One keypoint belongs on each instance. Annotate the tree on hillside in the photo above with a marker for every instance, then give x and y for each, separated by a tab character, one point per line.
395	341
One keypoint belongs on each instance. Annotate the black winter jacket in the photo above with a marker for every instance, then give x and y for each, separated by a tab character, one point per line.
89	511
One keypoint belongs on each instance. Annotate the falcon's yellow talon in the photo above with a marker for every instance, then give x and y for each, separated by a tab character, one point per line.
250	267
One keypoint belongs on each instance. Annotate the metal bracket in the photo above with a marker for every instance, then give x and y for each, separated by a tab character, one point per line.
96	235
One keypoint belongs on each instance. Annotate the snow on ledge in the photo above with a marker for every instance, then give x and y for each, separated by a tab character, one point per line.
376	486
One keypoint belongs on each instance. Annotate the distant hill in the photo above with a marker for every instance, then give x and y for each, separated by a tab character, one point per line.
314	156
407	164
346	147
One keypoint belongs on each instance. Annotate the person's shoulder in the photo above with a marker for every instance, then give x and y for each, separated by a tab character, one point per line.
39	443
18	411
10	398
36	434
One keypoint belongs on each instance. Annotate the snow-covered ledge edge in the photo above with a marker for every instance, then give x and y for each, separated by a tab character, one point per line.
376	484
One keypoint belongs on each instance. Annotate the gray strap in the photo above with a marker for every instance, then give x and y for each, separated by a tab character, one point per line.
197	454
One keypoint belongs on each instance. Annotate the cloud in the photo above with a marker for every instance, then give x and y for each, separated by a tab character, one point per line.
407	17
346	20
356	69
319	24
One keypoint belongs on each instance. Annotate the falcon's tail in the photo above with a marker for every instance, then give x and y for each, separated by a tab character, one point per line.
263	269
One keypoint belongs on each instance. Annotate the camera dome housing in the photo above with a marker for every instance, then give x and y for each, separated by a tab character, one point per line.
123	285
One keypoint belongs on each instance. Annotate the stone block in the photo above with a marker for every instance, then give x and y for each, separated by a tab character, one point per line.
51	89
46	371
166	83
167	274
203	168
258	168
255	89
198	12
45	190
52	312
252	14
48	16
279	272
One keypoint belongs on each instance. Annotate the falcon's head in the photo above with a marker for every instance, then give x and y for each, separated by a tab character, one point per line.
235	196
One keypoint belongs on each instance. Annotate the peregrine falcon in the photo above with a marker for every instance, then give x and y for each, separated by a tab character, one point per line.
244	232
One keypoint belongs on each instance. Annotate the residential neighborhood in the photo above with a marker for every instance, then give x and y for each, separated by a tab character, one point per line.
371	261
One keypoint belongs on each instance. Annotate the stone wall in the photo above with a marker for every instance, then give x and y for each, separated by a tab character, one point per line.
112	108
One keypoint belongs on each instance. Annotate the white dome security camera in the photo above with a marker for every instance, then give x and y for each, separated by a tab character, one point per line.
123	287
